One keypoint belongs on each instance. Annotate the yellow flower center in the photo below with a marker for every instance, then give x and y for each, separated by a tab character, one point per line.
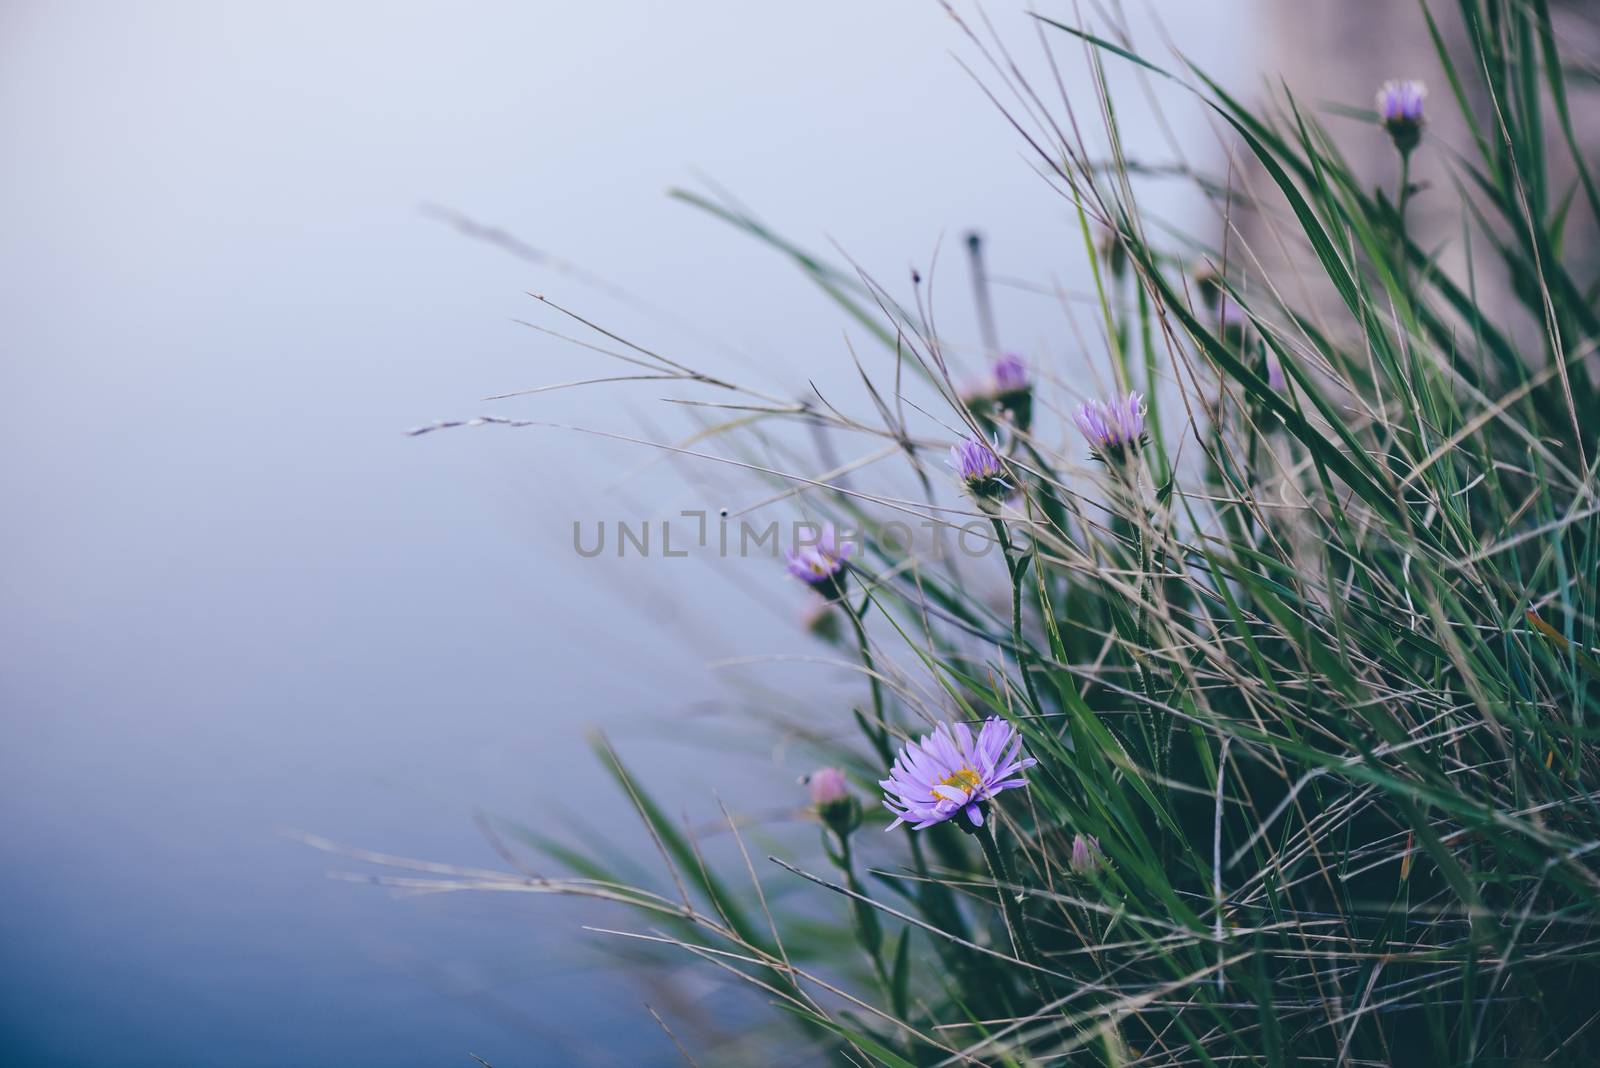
965	779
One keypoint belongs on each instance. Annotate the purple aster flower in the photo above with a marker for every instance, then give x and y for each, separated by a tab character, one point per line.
947	772
820	565
827	785
979	467
1010	374
1275	377
1401	101
1231	322
1113	428
1013	389
1400	111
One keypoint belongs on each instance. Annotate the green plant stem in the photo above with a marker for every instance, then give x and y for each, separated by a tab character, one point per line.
1161	738
1405	193
1014	567
1053	510
878	729
869	932
1011	909
1403	198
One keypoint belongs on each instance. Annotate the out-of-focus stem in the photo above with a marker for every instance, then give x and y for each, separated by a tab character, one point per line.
868	931
1011	909
878	729
1403	198
1014	567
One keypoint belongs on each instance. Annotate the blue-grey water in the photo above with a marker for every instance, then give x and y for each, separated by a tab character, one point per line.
234	598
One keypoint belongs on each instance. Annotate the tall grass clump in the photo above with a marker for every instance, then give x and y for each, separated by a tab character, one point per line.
1263	731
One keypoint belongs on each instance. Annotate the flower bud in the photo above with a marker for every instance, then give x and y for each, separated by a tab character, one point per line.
980	470
1013	389
821	565
835	805
1114	429
828	785
1086	856
1400	111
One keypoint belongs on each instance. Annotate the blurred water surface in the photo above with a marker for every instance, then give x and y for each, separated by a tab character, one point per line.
236	598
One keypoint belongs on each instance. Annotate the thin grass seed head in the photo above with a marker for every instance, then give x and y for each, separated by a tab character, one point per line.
1114	429
949	772
1400	111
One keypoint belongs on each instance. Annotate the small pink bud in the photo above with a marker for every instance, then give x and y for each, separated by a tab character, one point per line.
1086	856
828	787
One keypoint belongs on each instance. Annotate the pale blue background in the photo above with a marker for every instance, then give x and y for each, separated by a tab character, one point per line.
234	598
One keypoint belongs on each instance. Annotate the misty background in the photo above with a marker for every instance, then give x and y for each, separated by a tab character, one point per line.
236	598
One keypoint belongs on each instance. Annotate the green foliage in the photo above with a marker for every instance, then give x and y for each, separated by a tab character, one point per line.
1318	670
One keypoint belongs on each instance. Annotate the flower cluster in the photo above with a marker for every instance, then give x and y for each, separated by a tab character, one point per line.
978	466
821	565
1400	111
1115	428
949	771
